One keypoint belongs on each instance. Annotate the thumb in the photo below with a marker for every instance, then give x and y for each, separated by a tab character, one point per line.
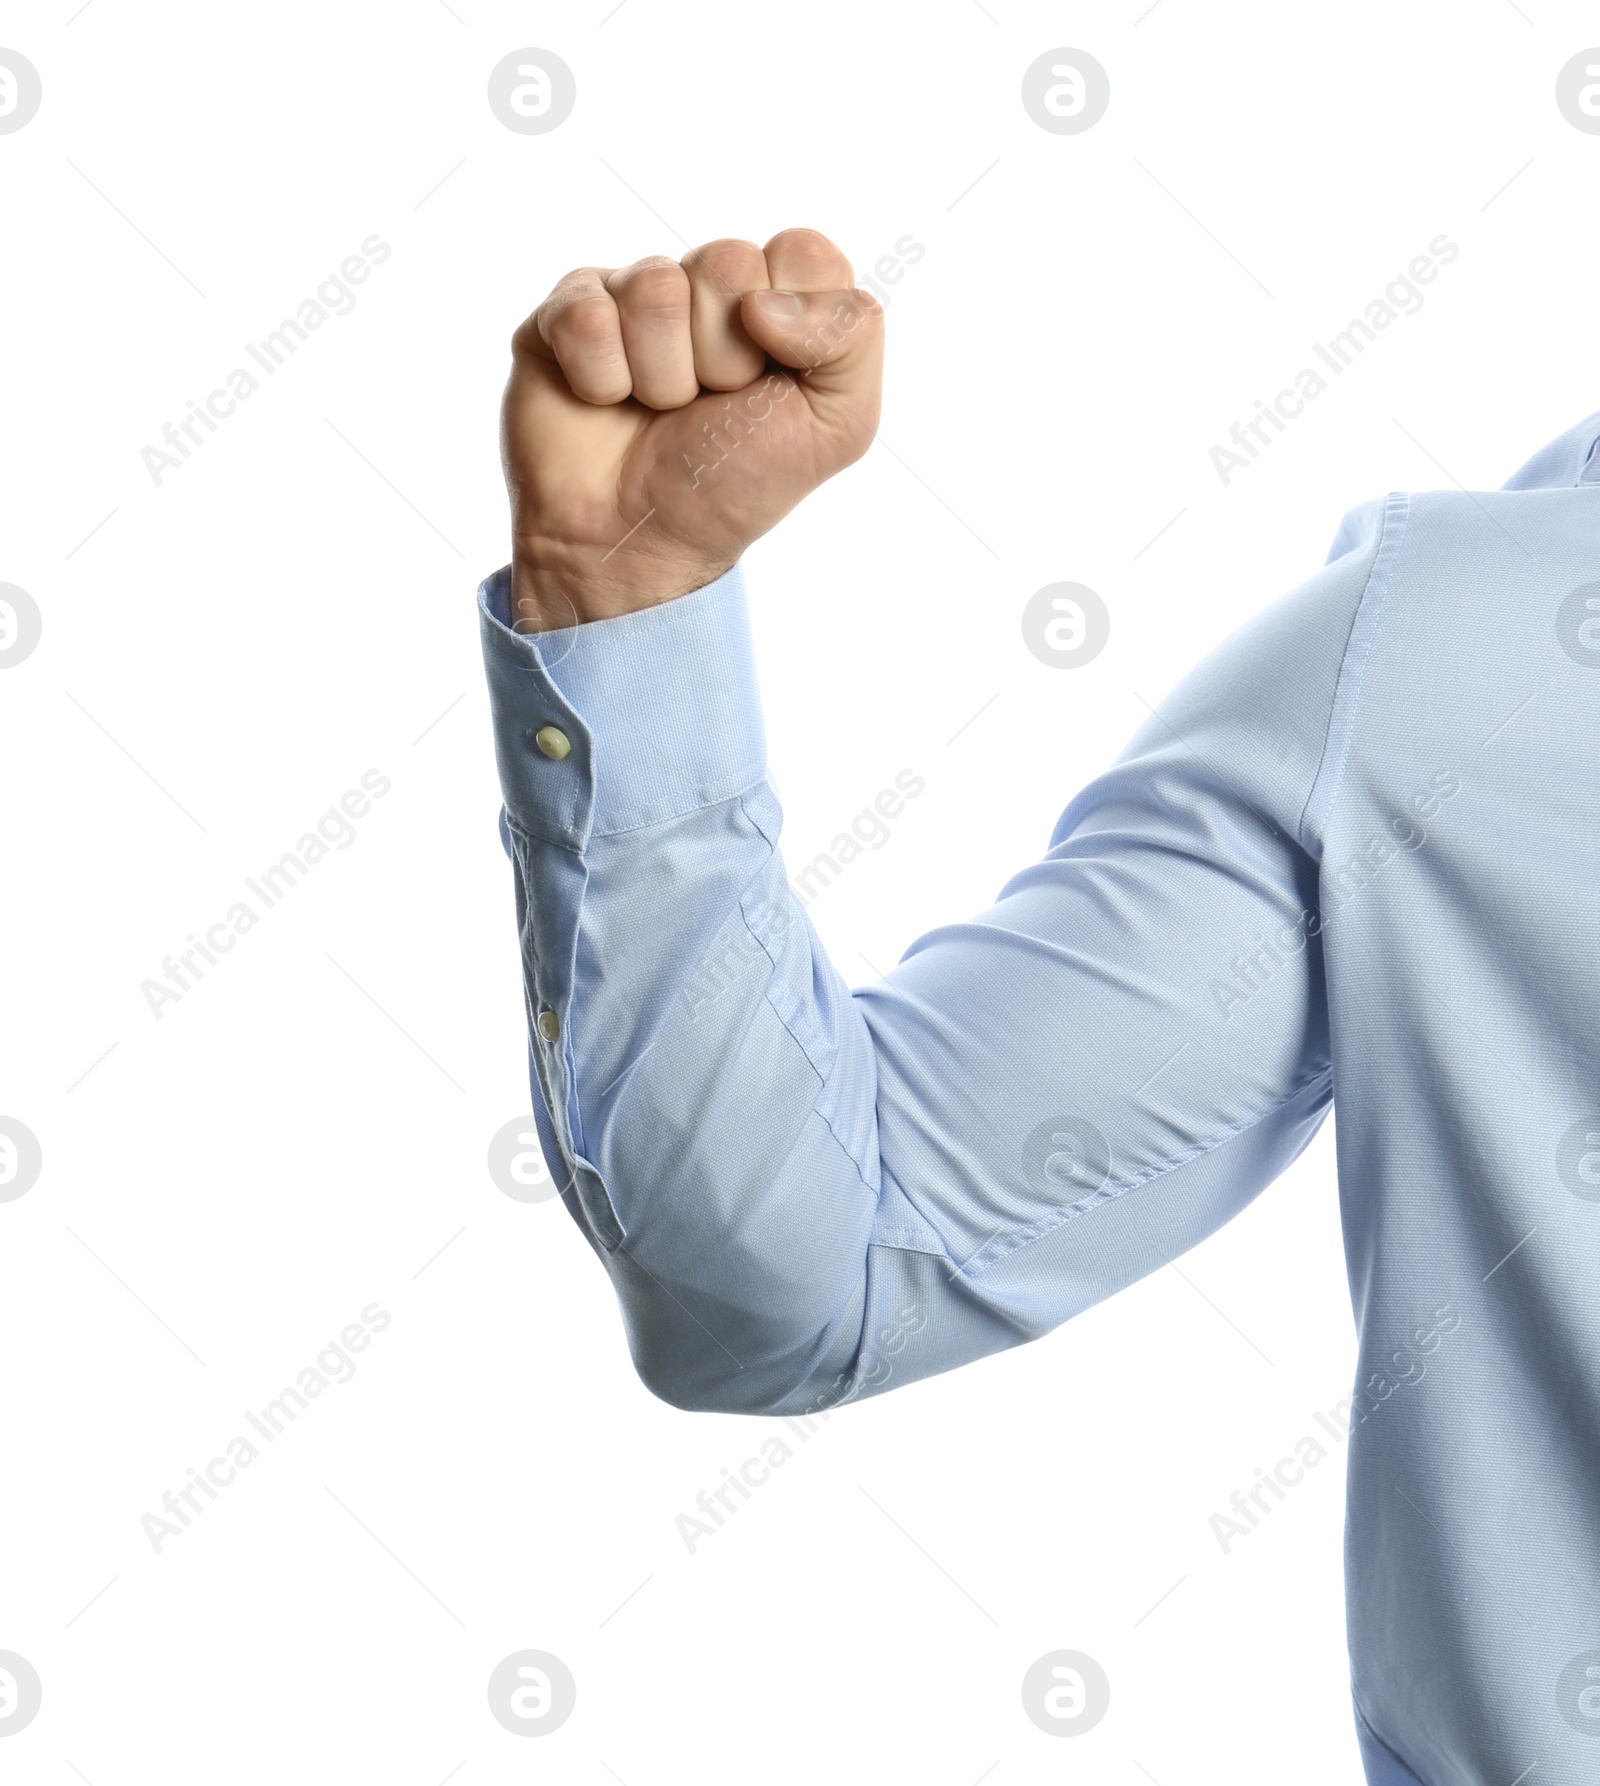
833	339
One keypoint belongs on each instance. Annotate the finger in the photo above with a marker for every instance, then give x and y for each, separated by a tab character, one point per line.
814	319
578	328
652	298
805	260
833	338
725	358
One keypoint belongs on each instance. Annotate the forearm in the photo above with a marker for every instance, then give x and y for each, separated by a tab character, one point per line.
692	1026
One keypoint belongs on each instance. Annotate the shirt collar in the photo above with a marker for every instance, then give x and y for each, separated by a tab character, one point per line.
1568	460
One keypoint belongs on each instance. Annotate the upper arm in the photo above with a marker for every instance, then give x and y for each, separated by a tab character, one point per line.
1086	1079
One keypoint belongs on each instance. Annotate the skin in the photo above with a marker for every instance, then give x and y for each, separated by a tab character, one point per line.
661	416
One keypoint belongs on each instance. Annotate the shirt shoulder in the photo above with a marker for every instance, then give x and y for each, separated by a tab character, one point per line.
1256	715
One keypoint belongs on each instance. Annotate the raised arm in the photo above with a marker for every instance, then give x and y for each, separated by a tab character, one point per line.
804	1194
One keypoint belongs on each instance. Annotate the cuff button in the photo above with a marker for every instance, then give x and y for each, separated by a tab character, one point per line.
552	743
549	1025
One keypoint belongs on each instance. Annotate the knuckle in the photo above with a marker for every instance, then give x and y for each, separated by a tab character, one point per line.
655	285
575	283
731	258
805	248
585	322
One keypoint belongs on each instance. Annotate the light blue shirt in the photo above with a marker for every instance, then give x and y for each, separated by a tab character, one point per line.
1354	862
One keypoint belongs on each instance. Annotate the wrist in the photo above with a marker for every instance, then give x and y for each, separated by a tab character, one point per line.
553	585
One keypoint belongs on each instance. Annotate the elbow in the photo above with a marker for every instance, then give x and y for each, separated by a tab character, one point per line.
724	1358
700	1386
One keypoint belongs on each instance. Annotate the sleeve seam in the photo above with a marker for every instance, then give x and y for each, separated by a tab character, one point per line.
997	1250
824	1106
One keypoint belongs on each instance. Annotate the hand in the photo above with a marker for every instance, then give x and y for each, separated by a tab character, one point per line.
659	417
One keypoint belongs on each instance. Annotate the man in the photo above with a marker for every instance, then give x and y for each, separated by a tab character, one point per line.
1357	853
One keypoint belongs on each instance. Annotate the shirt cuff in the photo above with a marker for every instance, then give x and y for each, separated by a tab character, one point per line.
658	710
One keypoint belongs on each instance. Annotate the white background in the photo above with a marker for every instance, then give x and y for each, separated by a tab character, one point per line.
226	652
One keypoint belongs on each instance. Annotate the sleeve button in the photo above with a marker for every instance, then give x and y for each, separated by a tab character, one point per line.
549	1025
552	743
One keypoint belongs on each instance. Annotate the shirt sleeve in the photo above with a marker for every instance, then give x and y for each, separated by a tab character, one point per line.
804	1194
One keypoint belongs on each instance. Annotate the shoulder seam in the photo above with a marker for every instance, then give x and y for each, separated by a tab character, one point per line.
1331	765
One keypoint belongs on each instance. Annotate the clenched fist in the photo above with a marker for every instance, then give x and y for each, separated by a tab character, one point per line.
659	417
